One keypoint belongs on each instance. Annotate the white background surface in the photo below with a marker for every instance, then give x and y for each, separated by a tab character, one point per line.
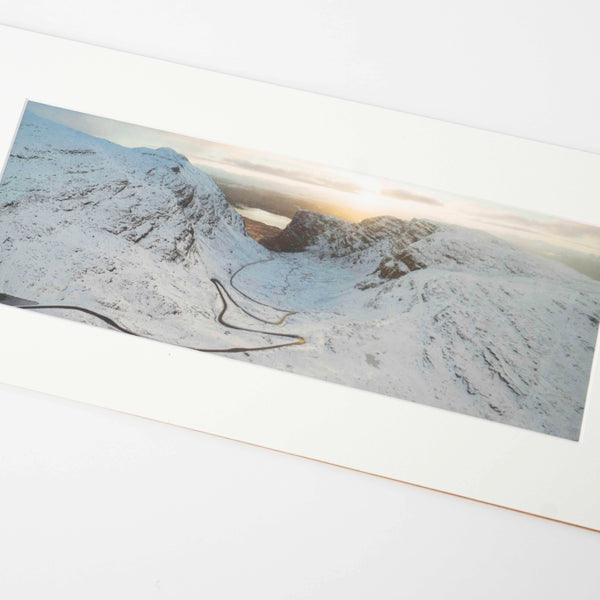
98	504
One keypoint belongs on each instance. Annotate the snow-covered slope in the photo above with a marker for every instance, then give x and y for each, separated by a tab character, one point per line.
423	311
440	314
134	233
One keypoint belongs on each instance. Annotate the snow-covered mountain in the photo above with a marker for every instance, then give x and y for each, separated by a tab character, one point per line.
441	314
423	311
134	232
329	236
404	246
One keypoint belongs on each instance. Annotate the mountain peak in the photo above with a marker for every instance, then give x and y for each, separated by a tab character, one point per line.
151	198
330	236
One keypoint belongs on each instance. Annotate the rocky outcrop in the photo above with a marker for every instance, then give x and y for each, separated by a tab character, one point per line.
330	236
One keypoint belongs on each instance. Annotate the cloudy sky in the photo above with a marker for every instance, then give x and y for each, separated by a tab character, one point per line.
357	195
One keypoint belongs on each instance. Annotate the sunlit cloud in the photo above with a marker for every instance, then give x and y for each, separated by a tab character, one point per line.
402	194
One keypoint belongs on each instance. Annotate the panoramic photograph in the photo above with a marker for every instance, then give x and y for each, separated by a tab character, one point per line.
422	295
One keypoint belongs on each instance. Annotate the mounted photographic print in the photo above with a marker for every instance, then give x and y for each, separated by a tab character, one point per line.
420	295
389	293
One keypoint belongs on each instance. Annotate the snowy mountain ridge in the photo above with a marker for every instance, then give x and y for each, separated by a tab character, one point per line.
326	235
152	197
131	230
400	247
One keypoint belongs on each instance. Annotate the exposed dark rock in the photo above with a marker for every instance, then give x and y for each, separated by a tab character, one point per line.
331	236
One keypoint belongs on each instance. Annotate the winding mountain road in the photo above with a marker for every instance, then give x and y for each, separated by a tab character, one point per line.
256	262
223	294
